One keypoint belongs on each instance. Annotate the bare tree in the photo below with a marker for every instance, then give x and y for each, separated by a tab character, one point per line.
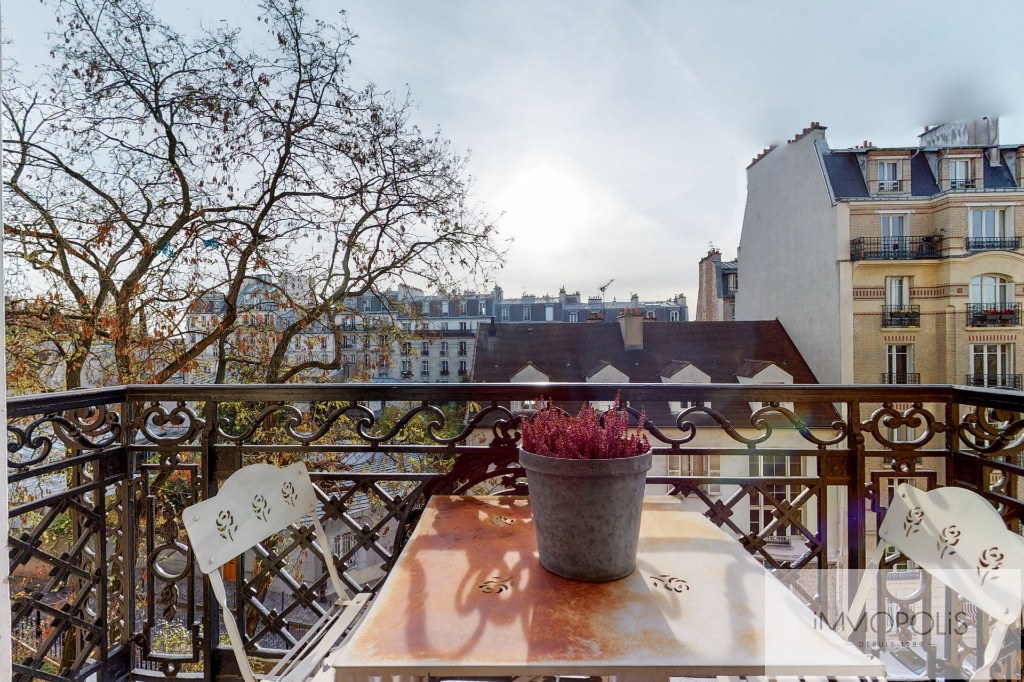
148	170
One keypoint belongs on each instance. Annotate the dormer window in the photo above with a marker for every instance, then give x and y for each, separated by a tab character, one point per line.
889	176
960	174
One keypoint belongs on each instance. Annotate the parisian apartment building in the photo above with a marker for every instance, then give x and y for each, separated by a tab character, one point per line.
405	334
891	265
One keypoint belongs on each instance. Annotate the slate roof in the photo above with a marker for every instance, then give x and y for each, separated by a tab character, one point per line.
568	352
998	177
751	368
922	182
670	370
844	174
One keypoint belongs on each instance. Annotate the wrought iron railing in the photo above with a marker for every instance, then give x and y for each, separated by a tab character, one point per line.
901	316
993	314
993	243
102	576
995	380
890	185
962	183
895	248
901	378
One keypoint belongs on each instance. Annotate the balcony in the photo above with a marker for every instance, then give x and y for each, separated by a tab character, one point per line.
962	183
902	316
890	186
993	244
901	378
895	248
995	380
993	314
103	583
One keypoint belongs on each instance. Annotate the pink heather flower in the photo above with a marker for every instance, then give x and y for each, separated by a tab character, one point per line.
554	433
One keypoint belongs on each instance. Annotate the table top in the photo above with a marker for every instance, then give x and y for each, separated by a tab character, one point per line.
468	596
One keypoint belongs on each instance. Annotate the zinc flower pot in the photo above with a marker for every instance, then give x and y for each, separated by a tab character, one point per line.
586	513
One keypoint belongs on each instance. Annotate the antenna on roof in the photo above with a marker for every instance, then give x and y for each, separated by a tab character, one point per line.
603	289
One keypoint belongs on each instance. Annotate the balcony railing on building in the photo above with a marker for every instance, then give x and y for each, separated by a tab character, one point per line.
901	316
890	185
995	380
993	314
103	583
895	248
993	243
962	183
901	377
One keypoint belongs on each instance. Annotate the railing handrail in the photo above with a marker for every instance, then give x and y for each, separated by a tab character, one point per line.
576	391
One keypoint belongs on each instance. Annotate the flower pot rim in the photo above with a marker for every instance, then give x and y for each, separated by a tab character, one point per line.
614	466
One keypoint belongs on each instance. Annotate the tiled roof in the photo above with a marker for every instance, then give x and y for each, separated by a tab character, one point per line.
998	177
922	182
845	175
569	352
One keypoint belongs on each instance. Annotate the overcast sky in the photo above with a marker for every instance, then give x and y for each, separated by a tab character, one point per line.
613	135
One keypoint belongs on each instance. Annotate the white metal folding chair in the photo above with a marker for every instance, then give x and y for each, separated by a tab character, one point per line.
961	541
254	503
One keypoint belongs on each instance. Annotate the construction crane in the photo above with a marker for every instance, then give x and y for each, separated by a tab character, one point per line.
603	289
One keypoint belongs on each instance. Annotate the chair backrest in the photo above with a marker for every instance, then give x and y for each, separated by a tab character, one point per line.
960	539
253	503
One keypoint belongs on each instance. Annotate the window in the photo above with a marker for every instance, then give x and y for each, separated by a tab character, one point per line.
406	348
527	313
960	173
424	348
901	434
463	326
343	544
425	306
444	308
483	307
444	348
407	366
574	316
366	305
762	511
462	367
991	228
462	347
899	359
673	316
549	313
424	367
992	364
696	465
897	291
991	290
894	231
444	367
888	176
504	313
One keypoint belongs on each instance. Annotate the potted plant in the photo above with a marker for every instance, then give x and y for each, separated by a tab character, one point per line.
586	476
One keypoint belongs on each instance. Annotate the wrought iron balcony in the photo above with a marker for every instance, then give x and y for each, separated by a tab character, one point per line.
993	314
901	378
901	316
962	183
995	380
895	248
993	244
102	578
890	185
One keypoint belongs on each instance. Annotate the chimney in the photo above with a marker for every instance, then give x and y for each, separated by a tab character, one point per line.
634	300
631	324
